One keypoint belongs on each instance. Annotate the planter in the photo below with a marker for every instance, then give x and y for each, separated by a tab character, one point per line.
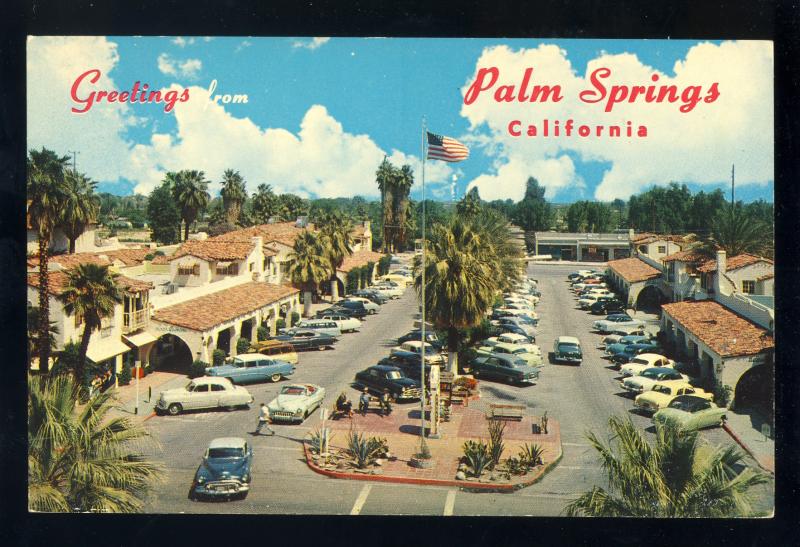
421	463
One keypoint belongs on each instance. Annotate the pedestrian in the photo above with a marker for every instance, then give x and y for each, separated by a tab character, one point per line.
263	420
344	406
363	402
386	402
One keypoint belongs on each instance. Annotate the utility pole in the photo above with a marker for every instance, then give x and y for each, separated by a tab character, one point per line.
733	186
74	159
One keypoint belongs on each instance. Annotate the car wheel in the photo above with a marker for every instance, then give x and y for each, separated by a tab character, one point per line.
230	408
275	377
174	409
305	415
321	348
475	373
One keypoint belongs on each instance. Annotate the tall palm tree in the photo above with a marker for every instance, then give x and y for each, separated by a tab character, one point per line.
386	179
46	190
678	476
310	265
265	204
34	319
234	194
404	181
737	232
85	460
460	281
80	207
190	190
90	293
336	229
499	246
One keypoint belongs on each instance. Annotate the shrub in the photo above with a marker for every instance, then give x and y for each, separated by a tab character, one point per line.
384	264
722	394
262	333
295	317
496	446
218	357
280	323
469	383
363	451
125	376
149	256
242	345
316	441
531	455
197	368
515	466
544	422
477	457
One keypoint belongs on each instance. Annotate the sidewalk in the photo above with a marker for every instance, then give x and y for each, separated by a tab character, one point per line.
157	382
745	428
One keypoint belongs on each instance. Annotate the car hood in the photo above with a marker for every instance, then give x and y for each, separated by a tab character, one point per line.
177	392
218	468
616	348
639	381
405	382
671	414
287	402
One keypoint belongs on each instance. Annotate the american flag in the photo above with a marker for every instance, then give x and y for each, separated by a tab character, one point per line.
445	148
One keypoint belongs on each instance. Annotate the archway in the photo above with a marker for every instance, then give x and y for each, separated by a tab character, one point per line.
649	299
756	390
224	341
170	353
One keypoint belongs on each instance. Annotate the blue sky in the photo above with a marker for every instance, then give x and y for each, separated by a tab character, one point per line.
360	98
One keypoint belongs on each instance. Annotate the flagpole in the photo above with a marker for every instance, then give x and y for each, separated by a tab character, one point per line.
422	344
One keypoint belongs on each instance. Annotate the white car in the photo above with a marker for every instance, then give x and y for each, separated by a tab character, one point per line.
392	290
522	306
644	361
514	311
586	301
205	392
513	339
650	377
369	305
611	339
617	323
577	287
432	355
344	322
295	402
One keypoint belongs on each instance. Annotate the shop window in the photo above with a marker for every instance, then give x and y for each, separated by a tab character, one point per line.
662	249
748	286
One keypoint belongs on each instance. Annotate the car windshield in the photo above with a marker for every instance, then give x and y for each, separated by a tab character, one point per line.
293	390
650	374
394	375
519	363
568	347
640	361
661	389
189	386
238	362
226	452
685	405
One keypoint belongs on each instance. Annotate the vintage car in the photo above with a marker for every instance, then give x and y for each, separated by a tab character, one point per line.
632	350
295	402
609	305
409	363
402	280
416	334
275	349
506	368
390	289
372	296
624	341
643	361
520	297
225	470
505	311
353	308
514	351
690	413
512	338
204	392
303	339
344	322
379	377
618	321
432	354
579	274
567	349
664	392
371	306
650	377
517	325
323	326
252	367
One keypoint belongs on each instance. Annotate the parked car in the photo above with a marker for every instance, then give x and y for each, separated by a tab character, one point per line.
323	326
514	351
432	355
371	306
430	337
204	392
304	339
579	274
650	377
586	301
401	280
632	350
505	368
521	306
252	367
664	392
514	312
624	341
691	413
275	349
350	307
295	402
618	321
567	349
511	338
644	361
390	289
610	306
409	363
344	322
225	469
516	326
372	296
379	377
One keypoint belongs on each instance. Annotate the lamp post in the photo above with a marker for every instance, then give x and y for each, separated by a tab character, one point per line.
137	365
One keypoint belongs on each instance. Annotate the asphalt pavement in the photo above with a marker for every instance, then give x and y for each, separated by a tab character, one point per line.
581	397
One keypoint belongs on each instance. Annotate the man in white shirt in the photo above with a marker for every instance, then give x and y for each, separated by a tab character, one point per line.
263	420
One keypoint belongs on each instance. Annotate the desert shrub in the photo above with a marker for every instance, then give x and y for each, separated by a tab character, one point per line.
515	466
531	455
722	394
315	441
477	457
280	323
197	368
496	446
242	345
218	357
364	451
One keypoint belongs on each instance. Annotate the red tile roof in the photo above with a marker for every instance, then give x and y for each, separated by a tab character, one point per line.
358	259
646	237
733	263
633	269
689	255
160	259
212	250
57	280
130	285
725	332
129	257
207	311
69	261
282	232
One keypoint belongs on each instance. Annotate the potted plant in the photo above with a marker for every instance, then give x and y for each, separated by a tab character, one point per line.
422	459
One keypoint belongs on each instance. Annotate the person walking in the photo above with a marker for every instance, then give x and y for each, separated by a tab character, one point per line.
363	402
263	420
386	402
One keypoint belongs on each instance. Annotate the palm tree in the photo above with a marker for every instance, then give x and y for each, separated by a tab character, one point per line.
46	190
386	179
190	192
90	293
336	229
85	460
404	181
499	246
460	281
310	265
677	477
34	319
80	207
265	204
234	194
737	232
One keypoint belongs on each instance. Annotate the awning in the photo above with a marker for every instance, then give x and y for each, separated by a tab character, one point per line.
100	351
140	339
223	264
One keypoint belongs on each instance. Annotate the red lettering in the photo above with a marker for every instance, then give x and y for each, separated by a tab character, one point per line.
478	86
112	96
513	128
504	93
590	96
89	101
713	93
184	96
618	94
123	97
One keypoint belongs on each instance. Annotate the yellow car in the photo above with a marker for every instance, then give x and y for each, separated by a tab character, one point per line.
664	392
276	349
402	280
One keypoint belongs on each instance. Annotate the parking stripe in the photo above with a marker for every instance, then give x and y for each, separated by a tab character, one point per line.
361	500
449	503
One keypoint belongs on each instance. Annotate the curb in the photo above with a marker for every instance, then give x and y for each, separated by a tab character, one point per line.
746	448
462	485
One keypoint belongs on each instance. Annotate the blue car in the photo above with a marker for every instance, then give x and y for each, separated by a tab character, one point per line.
633	350
253	367
224	471
625	341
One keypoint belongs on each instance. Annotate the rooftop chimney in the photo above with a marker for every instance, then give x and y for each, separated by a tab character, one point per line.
722	268
630	234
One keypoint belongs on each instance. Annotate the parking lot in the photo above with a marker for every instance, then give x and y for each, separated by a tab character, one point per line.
582	398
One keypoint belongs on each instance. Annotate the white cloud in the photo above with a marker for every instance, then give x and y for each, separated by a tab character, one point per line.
188	68
698	146
313	44
182	42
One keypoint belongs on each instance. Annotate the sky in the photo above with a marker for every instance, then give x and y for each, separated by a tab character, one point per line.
322	113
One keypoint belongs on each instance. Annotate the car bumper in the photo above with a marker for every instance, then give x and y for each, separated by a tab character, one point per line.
221	488
284	416
630	388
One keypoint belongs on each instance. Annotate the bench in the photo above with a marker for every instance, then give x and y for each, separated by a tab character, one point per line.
507	412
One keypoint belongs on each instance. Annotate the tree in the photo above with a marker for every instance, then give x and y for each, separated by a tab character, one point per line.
265	204
91	294
338	242
676	477
80	206
234	194
189	189
163	215
385	177
87	460
290	207
402	188
34	320
703	209
737	232
470	204
310	265
46	194
533	213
